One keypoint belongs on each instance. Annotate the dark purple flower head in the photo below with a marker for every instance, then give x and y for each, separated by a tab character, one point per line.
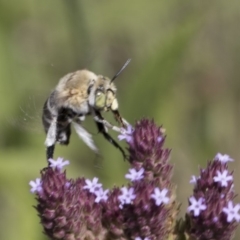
211	212
150	165
147	140
145	145
147	208
66	209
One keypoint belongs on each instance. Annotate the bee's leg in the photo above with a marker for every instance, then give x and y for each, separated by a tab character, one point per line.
51	138
101	125
63	135
84	135
119	119
98	118
50	151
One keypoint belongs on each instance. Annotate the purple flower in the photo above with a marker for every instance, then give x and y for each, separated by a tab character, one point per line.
193	179
160	138
101	195
232	212
224	158
135	175
93	186
196	206
160	196
36	185
126	133
67	184
127	196
223	178
59	163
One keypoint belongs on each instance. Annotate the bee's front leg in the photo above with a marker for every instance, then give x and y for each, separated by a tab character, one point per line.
102	125
99	119
123	123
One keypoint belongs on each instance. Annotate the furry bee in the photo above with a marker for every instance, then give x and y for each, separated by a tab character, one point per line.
77	95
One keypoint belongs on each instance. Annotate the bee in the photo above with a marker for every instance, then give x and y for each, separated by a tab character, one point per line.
77	95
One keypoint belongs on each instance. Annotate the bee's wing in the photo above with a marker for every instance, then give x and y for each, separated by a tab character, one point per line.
85	136
28	118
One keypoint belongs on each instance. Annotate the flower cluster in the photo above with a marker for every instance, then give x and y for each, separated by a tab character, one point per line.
66	209
144	209
211	211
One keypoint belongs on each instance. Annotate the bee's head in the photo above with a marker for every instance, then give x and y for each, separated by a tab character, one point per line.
105	92
105	95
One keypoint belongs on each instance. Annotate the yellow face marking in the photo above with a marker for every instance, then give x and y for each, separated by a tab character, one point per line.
114	105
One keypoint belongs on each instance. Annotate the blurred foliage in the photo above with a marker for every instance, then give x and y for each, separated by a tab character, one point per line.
184	73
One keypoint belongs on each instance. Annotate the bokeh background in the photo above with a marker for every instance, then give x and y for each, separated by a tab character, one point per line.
184	73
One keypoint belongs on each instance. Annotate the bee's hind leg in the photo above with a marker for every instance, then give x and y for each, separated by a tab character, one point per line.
51	139
50	151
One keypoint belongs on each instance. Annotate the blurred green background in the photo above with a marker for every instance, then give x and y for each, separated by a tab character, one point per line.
184	73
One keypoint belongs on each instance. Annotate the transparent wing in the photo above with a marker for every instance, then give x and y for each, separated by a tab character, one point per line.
85	136
28	117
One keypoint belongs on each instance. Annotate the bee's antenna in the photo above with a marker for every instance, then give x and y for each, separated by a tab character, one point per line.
124	66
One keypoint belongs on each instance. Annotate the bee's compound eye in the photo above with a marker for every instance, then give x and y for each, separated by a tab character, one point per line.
100	100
